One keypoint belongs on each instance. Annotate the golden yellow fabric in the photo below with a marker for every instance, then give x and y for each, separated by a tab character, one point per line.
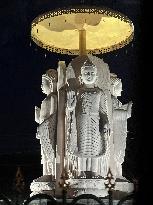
59	32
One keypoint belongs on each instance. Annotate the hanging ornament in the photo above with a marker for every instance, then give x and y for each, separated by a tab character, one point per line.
30	44
45	55
126	51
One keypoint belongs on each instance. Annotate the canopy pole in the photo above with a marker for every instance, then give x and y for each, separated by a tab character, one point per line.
82	42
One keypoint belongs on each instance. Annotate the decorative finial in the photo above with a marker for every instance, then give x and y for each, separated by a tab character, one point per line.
19	181
109	184
64	177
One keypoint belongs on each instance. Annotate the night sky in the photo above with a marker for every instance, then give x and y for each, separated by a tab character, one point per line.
22	65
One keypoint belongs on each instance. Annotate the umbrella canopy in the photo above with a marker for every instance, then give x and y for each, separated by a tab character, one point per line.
104	30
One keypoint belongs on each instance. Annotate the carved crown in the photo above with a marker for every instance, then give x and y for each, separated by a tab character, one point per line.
50	75
114	79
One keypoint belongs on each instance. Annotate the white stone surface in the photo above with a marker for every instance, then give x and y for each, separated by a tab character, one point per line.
87	120
40	186
97	186
95	125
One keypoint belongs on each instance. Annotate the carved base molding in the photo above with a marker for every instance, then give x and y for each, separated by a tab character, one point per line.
97	186
82	186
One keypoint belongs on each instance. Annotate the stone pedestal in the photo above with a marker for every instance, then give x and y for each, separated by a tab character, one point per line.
97	187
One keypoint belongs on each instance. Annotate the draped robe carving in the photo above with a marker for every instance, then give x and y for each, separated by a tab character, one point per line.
120	115
87	126
46	116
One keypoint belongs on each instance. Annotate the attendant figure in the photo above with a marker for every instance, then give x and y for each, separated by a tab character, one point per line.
46	117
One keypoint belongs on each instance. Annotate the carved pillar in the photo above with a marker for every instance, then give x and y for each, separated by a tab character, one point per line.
60	152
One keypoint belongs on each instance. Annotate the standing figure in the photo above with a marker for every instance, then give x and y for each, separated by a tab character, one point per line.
46	117
120	115
89	123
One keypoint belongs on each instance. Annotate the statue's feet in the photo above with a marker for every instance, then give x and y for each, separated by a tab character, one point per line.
94	175
82	175
89	175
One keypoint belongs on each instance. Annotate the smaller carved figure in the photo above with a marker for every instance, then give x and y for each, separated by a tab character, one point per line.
120	115
46	117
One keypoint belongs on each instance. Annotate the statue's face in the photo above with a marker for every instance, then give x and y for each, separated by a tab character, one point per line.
89	74
46	86
118	89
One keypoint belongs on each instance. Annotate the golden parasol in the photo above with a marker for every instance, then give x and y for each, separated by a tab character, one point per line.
82	31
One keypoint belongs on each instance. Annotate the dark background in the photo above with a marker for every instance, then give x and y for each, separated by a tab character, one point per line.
22	63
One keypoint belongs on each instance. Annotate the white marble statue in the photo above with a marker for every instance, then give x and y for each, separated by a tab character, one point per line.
82	127
89	125
46	117
120	115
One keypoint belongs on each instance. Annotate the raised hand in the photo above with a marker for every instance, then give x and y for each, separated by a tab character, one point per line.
107	129
129	109
37	114
71	100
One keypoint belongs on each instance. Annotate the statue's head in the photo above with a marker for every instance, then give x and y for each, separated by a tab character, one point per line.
49	81
116	85
88	73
